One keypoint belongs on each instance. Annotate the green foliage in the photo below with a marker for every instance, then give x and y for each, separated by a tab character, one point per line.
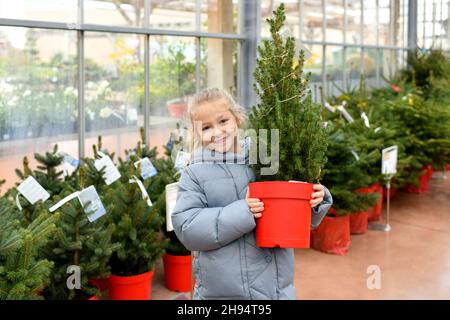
425	65
347	170
24	273
286	105
137	227
79	242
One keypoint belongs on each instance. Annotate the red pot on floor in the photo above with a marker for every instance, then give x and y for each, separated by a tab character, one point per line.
93	298
374	212
424	178
286	218
332	235
392	193
359	222
178	272
137	287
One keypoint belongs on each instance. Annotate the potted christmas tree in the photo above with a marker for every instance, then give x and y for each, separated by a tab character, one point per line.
24	273
137	229
82	243
286	106
345	171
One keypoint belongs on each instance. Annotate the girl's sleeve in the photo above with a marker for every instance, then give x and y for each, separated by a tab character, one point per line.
319	211
200	228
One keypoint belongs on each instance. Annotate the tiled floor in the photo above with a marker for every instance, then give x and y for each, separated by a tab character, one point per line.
414	257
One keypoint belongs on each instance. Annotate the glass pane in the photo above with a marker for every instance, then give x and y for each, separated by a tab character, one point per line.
370	58
172	80
334	62
385	29
389	65
353	21
113	90
402	39
128	13
312	21
370	22
173	14
353	67
335	20
219	16
38	98
314	65
218	65
44	10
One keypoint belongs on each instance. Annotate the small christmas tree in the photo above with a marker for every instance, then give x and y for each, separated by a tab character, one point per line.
80	243
23	273
167	174
346	171
137	227
47	174
286	105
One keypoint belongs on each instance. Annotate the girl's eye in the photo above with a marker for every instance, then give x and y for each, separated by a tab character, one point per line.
224	121
205	128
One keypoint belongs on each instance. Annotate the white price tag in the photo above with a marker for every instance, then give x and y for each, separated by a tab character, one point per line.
389	160
355	155
147	168
182	159
329	107
143	190
32	191
366	119
70	160
91	203
346	115
171	200
111	173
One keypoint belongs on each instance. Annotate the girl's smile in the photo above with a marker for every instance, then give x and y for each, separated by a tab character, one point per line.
216	126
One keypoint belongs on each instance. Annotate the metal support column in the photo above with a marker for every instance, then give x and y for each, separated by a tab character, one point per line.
250	24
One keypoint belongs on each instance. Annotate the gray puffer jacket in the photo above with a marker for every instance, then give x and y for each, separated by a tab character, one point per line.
212	219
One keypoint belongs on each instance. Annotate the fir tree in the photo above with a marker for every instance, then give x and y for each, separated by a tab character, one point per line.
23	271
81	243
286	105
137	226
346	170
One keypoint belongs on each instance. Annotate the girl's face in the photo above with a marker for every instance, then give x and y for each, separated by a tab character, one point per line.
216	126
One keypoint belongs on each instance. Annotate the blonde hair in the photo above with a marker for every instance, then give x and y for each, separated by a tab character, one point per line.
207	96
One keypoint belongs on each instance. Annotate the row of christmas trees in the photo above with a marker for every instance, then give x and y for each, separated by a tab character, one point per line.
36	246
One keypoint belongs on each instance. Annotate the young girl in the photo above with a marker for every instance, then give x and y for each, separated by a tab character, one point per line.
215	218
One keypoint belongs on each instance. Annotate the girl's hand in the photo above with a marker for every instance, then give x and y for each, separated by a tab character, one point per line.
256	206
317	197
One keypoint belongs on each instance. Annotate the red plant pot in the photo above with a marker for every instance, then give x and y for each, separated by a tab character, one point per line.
137	287
392	193
374	212
178	272
332	235
424	179
93	298
177	110
286	219
447	167
359	222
